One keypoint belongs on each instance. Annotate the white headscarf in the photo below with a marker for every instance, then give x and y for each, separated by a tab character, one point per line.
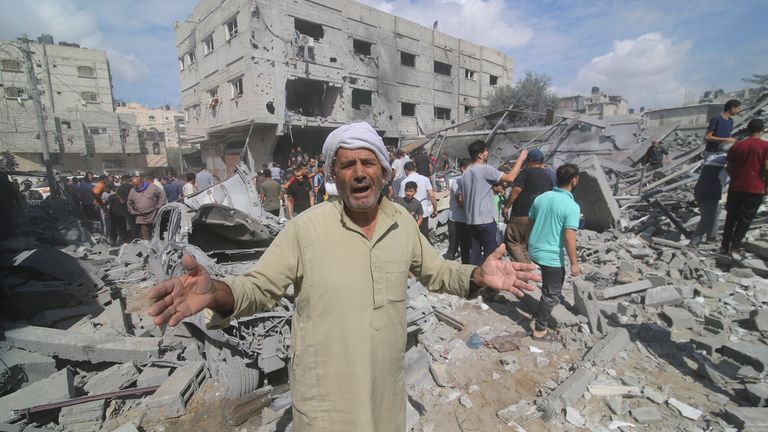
355	136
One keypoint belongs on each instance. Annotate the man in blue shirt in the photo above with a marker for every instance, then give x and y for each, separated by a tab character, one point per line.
555	217
720	128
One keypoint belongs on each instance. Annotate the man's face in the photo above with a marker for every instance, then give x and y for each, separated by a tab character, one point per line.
359	178
135	181
735	110
484	156
312	162
299	174
410	193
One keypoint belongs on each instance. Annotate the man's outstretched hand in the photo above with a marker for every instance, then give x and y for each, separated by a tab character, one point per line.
175	299
505	275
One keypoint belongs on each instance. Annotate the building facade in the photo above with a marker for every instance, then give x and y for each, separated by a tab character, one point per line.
159	131
596	104
84	132
284	74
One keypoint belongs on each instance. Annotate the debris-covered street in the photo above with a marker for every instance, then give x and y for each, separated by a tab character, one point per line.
656	335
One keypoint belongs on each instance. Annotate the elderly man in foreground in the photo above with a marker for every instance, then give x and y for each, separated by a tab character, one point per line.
349	326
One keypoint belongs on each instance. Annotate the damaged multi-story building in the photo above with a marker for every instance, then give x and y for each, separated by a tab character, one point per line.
284	74
160	133
75	83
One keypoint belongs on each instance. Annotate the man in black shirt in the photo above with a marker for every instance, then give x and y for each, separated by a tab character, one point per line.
423	163
655	155
122	191
532	182
300	196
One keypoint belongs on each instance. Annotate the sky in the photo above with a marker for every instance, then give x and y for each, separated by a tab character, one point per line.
651	52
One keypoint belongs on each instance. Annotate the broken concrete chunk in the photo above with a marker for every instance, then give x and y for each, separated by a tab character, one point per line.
56	388
652	332
609	346
618	405
684	409
759	319
83	417
626	289
746	353
570	390
757	394
646	415
21	368
170	400
115	378
574	417
653	394
748	419
152	376
660	296
441	375
678	318
513	413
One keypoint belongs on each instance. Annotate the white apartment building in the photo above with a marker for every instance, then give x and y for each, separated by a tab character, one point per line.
288	72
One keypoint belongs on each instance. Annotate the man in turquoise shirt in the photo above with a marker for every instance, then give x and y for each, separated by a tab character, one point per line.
555	218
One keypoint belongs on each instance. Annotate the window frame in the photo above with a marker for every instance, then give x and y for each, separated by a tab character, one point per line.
208	40
435	68
233	87
82	75
95	98
406	53
402	105
470	74
6	69
231	33
436	117
21	93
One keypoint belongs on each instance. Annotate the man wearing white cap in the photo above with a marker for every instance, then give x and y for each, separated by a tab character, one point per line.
349	326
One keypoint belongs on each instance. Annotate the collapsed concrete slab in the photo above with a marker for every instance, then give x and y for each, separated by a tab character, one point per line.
112	379
83	347
748	354
595	197
56	388
22	368
748	419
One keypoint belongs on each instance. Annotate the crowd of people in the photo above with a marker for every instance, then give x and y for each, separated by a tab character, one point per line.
127	205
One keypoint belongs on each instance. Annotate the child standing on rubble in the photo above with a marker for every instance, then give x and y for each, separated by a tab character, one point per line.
411	204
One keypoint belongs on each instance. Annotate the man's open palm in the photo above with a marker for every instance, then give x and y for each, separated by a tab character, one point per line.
507	275
175	299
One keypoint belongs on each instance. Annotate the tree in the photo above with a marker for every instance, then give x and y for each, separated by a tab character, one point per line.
532	93
758	80
8	161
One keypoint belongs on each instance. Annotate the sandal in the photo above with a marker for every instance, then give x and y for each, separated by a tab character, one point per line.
549	337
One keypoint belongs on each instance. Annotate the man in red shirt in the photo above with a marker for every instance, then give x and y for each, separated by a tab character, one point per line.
747	167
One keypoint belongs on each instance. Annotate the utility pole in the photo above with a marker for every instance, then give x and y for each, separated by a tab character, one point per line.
35	93
178	144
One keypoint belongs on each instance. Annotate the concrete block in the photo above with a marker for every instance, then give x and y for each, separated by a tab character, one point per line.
53	262
710	344
171	399
626	289
678	318
561	317
21	368
441	375
609	346
617	404
595	197
757	393
83	347
747	419
115	378
570	390
661	296
747	353
56	388
646	415
586	303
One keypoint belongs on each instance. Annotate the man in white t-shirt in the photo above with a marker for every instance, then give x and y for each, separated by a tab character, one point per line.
398	169
424	194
